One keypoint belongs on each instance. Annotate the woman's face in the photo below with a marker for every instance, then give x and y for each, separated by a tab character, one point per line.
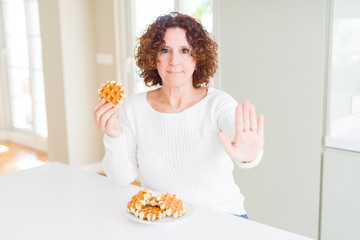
175	64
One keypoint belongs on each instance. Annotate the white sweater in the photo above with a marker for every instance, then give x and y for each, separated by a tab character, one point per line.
178	153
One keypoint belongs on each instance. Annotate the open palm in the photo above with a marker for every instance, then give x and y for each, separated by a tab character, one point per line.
249	134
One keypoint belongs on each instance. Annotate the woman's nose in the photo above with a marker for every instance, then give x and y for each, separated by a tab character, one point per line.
174	58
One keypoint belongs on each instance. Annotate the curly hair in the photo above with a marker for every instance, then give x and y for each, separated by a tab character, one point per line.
204	49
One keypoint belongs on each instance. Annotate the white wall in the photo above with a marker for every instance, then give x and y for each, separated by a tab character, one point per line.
272	53
53	79
78	56
70	80
105	38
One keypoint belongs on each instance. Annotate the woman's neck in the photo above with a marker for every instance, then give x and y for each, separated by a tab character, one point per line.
177	97
173	100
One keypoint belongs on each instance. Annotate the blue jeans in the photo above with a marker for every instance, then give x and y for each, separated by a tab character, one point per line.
242	216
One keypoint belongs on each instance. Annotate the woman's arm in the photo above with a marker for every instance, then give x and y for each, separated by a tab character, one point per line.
120	162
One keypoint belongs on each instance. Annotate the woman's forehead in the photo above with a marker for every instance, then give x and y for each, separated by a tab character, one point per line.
176	37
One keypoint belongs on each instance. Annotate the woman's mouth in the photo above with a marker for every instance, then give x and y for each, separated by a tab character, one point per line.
174	72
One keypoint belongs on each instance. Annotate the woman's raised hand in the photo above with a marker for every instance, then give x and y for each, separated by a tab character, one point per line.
249	134
105	116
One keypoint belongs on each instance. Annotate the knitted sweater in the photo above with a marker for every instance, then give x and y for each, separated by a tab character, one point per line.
178	153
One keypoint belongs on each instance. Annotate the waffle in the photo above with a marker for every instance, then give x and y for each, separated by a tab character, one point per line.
139	200
148	207
171	205
150	213
112	92
153	202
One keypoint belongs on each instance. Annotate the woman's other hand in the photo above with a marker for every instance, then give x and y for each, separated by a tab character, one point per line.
249	134
105	116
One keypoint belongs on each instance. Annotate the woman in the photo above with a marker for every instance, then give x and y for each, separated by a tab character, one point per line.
177	136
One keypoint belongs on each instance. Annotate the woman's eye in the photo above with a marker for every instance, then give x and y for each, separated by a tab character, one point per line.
164	50
185	50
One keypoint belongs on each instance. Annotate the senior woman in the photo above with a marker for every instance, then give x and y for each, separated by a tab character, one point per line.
183	137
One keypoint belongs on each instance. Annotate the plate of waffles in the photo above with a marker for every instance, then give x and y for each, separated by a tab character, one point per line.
164	208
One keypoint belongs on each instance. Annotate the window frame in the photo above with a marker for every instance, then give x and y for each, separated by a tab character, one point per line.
9	132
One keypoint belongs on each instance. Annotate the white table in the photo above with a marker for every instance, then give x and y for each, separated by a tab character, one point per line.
56	201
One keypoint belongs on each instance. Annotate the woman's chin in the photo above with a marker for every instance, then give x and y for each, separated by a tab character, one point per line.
176	82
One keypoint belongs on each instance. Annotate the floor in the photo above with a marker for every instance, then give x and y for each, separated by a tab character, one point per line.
14	157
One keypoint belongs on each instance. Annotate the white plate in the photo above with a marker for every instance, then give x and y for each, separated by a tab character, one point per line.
168	219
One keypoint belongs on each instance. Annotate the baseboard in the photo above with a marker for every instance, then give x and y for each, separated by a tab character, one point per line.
27	141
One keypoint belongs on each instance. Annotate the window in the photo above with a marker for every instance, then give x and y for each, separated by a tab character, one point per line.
23	76
344	76
143	13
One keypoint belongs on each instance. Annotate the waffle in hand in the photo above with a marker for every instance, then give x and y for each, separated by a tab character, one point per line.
112	92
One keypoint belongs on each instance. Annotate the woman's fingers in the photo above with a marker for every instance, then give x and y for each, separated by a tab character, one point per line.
246	115
261	125
96	110
105	118
239	123
111	118
98	114
253	120
98	105
247	121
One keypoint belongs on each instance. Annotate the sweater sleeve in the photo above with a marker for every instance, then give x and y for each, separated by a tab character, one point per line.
120	161
226	123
